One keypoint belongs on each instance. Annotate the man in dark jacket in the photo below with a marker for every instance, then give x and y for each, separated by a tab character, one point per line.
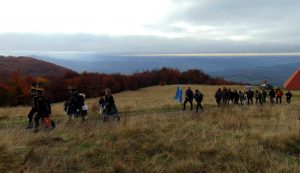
272	96
250	95
43	108
289	96
189	95
218	96
225	96
199	98
33	103
236	97
258	97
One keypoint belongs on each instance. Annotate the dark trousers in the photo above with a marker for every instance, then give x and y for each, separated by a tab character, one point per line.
199	105
30	116
288	100
250	100
219	102
278	99
272	100
186	101
259	100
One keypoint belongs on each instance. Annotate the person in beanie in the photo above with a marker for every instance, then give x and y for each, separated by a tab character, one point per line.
199	98
189	95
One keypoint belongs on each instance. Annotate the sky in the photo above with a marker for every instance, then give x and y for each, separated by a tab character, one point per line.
150	26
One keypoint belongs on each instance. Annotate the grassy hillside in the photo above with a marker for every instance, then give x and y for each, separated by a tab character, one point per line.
155	136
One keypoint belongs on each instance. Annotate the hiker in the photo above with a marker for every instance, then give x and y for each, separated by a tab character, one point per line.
188	98
72	106
225	96
218	97
242	97
43	110
236	97
279	95
199	98
250	95
110	106
272	96
231	96
264	95
289	96
258	97
33	103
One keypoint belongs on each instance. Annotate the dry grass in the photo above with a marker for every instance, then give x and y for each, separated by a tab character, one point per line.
155	136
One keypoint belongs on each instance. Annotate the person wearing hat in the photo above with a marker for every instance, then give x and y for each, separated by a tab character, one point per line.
43	108
33	103
72	106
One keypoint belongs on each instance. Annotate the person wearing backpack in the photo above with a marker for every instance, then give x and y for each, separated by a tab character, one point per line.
218	97
189	95
43	111
33	110
199	98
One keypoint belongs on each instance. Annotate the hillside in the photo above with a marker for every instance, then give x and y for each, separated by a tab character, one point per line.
154	135
29	67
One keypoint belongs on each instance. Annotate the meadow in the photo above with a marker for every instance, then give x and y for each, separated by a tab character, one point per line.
154	135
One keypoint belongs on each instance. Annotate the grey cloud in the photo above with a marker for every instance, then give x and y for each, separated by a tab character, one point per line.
133	44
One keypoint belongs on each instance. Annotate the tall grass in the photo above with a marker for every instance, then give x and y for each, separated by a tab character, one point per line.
155	136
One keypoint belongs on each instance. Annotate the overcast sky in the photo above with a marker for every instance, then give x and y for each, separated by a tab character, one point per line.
150	26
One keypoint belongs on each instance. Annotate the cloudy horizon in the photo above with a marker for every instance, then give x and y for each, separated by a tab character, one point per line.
148	27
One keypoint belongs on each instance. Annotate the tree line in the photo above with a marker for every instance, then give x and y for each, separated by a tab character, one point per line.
16	91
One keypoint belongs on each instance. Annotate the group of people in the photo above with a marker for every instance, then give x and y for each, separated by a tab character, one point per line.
190	96
226	95
74	107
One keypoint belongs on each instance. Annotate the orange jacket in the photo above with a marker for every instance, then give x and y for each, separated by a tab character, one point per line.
279	93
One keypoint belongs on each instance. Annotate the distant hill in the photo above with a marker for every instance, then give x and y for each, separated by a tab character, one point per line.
28	66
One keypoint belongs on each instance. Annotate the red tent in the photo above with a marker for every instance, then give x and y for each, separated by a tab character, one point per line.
293	83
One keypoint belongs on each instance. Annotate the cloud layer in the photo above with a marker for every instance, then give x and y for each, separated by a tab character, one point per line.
186	26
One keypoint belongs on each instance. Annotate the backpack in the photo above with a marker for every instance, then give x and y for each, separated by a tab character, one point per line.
198	97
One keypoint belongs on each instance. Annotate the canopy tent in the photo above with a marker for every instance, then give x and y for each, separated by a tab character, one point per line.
293	83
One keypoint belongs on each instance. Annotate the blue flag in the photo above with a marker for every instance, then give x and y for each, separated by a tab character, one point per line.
178	95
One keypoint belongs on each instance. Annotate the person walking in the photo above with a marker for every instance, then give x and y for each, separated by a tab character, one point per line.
279	95
242	98
199	98
289	96
250	95
225	96
189	95
264	95
33	104
236	97
218	97
258	97
272	96
43	110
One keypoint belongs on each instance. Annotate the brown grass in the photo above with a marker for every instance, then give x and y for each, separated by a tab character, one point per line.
155	136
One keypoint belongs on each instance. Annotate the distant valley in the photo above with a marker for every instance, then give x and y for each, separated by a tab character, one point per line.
247	69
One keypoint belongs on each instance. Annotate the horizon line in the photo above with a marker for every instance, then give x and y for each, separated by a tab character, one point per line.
218	54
